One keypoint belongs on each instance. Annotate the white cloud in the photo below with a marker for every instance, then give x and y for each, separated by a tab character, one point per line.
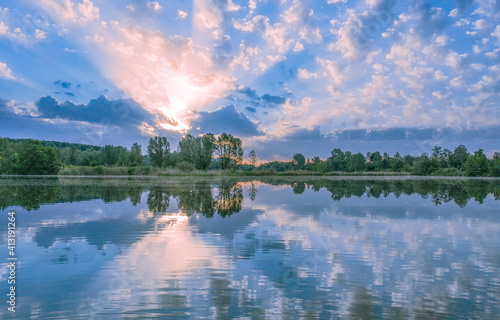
231	7
480	24
305	74
440	76
297	13
181	14
455	60
154	5
4	29
310	35
40	35
454	13
496	32
457	82
60	8
88	11
332	71
298	47
5	72
252	5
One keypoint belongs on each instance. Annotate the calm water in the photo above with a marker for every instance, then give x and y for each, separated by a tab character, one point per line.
270	249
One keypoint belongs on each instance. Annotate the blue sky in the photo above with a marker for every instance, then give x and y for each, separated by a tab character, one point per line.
286	76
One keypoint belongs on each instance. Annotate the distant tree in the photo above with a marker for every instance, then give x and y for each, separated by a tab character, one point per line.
337	161
109	156
252	158
299	160
459	156
356	163
33	158
159	151
495	165
316	159
229	151
135	155
477	165
72	156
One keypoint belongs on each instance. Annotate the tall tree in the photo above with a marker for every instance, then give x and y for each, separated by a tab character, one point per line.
299	160
337	161
229	151
477	165
159	151
252	158
198	150
459	156
136	155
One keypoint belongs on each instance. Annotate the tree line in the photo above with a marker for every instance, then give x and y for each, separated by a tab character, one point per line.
225	152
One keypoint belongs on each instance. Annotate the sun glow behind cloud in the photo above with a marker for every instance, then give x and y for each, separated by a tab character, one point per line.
169	76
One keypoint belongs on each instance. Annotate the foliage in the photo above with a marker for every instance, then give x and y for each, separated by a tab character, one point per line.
229	151
185	166
135	157
198	150
299	160
159	151
252	158
477	165
33	158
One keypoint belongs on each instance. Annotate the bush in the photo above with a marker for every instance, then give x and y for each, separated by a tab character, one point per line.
131	170
97	170
185	166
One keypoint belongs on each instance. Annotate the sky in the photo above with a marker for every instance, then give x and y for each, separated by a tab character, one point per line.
286	76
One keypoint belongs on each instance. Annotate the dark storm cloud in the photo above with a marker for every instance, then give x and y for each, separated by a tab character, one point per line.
226	119
63	84
273	99
101	110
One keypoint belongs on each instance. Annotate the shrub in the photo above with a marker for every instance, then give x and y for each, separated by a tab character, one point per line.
97	170
185	166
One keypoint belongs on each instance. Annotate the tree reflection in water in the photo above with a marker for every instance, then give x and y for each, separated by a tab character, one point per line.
225	197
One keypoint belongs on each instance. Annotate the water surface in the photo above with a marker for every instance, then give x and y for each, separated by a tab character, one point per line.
293	248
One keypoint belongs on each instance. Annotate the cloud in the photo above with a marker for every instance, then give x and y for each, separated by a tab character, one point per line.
181	14
63	84
99	111
226	119
154	5
305	74
5	72
3	28
88	11
273	99
332	71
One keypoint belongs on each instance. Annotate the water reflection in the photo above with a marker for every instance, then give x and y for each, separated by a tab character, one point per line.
198	196
272	249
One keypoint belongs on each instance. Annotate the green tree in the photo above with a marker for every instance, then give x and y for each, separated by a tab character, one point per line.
356	163
72	156
495	165
229	151
109	156
337	160
299	160
459	156
136	155
159	151
252	158
198	150
477	165
33	158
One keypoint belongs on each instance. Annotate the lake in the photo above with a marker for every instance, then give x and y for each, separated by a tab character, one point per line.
273	248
